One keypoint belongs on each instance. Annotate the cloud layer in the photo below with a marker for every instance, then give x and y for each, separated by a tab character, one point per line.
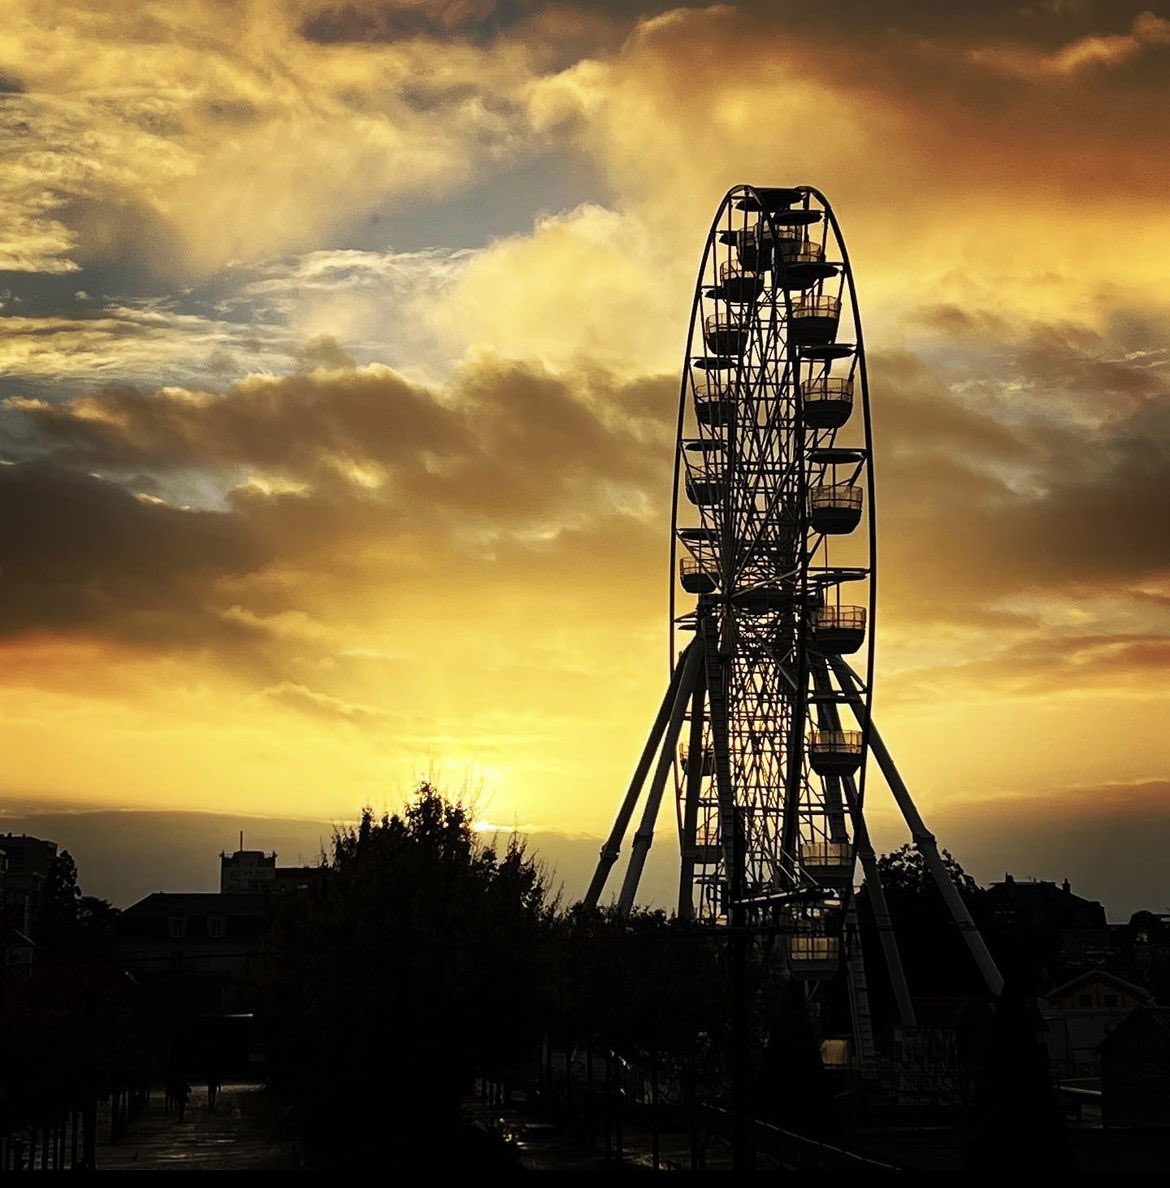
311	482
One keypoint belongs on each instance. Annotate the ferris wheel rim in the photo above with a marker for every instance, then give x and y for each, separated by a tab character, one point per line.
753	199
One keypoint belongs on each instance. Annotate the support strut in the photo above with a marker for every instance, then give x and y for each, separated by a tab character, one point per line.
924	841
696	770
863	848
612	847
613	844
645	834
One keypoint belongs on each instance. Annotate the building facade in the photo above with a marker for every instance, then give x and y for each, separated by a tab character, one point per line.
25	865
247	870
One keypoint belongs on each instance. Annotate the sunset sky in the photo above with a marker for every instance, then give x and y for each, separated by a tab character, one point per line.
339	369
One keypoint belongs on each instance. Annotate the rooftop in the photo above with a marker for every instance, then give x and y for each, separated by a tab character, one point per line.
198	903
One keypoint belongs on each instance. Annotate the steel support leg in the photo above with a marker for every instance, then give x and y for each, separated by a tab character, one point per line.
881	913
863	848
645	833
924	841
696	770
613	844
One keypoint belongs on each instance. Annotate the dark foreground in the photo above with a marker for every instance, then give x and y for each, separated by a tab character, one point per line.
244	1135
241	1135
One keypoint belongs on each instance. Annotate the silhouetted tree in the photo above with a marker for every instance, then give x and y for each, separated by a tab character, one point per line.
644	981
397	977
95	916
72	1031
1018	1124
659	992
71	927
935	957
906	876
75	1026
60	899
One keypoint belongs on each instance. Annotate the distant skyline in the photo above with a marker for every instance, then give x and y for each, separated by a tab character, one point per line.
339	368
123	856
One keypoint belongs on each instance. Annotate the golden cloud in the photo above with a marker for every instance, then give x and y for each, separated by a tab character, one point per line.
422	496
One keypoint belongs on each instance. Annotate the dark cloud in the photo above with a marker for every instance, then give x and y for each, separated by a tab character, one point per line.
379	20
507	440
1104	516
913	412
229	111
79	554
1102	370
130	246
1048	107
516	478
1045	662
1042	24
511	482
477	22
1062	491
288	423
325	351
1050	359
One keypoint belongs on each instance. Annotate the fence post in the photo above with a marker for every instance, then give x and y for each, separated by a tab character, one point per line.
654	1152
617	1109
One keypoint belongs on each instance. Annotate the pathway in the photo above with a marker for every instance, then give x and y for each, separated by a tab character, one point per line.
239	1136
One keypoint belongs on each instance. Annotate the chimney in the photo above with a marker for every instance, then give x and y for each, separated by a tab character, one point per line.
1066	887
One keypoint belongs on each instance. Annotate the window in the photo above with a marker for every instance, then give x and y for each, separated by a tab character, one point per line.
177	927
216	927
1111	1000
1084	1000
835	1053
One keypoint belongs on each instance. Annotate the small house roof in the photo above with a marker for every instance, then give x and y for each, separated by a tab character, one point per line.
1145	1016
1101	975
197	903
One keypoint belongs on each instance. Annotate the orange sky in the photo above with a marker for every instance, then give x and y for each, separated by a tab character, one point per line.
339	367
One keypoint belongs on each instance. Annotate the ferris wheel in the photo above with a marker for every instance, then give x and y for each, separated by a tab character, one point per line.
775	531
766	724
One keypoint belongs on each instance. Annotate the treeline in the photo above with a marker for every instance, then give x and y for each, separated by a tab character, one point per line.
74	1027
